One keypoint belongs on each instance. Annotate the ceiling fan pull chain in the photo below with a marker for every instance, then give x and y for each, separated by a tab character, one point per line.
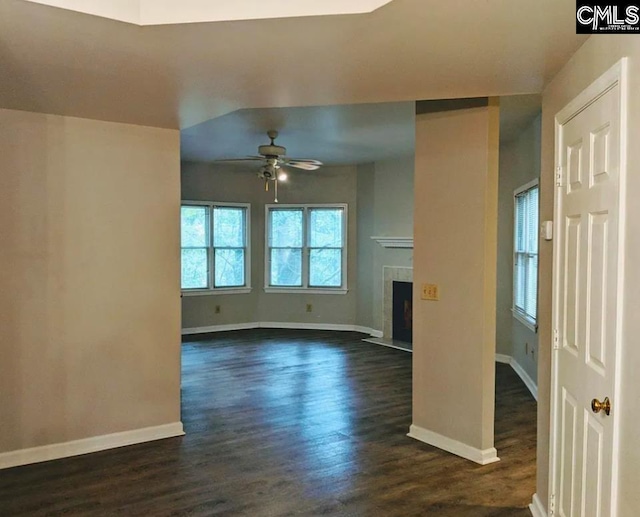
275	196
266	185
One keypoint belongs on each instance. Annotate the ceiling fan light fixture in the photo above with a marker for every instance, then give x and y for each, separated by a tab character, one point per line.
272	157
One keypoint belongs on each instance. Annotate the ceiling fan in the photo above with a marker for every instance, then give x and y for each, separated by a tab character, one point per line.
272	158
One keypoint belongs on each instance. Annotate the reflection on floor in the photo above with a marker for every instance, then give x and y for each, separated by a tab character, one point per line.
283	422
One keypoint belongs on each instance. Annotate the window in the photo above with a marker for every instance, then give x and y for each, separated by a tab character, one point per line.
525	254
214	247
306	248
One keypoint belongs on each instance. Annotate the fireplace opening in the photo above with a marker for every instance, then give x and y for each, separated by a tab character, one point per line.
402	316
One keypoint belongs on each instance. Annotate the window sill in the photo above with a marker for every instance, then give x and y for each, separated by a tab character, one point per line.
218	291
525	320
305	290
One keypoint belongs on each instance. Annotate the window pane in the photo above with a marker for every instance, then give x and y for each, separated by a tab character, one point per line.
229	268
194	268
228	227
520	281
325	228
285	228
520	222
325	268
286	267
194	226
532	287
532	220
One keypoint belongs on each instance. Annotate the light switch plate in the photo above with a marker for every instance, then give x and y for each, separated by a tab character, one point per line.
430	292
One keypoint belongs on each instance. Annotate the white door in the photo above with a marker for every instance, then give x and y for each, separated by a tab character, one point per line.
587	304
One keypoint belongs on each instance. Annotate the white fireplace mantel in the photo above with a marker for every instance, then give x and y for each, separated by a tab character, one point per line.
394	242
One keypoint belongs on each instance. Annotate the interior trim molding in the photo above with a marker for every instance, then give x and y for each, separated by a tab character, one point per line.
282	325
394	242
482	457
86	445
536	507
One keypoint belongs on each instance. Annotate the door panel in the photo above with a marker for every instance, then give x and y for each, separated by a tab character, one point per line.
572	284
586	316
592	467
596	290
568	464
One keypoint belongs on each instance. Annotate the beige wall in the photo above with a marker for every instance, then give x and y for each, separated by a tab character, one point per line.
206	182
596	56
366	246
519	164
456	186
393	217
89	276
385	209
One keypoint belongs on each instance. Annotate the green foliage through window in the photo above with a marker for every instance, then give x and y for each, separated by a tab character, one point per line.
525	281
214	246
306	246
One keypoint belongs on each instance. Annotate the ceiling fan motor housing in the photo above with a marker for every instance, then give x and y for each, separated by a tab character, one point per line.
272	150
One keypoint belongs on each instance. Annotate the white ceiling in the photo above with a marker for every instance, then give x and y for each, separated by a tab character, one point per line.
335	135
155	12
58	61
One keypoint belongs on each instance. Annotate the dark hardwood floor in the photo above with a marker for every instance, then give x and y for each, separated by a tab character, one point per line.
291	423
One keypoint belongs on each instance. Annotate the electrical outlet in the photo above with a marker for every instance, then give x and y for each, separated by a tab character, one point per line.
309	307
217	311
430	292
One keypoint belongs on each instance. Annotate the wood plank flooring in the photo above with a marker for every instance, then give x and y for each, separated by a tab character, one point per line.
291	423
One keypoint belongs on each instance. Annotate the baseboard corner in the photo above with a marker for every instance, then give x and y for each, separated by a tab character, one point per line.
479	456
536	507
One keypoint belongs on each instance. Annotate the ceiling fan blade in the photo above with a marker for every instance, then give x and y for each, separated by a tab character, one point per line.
304	166
248	159
307	165
304	160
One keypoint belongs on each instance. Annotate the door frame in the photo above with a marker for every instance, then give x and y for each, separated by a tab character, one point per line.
616	75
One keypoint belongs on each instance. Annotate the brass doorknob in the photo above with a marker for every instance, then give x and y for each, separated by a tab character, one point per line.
605	405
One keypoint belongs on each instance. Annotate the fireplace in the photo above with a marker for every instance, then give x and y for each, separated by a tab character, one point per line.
392	275
402	312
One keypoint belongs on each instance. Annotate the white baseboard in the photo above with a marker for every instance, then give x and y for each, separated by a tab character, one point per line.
537	508
368	330
282	325
482	457
305	326
86	445
526	378
503	358
219	328
528	381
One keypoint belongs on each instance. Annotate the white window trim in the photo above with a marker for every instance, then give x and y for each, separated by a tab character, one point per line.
247	256
343	289
518	314
525	187
525	319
